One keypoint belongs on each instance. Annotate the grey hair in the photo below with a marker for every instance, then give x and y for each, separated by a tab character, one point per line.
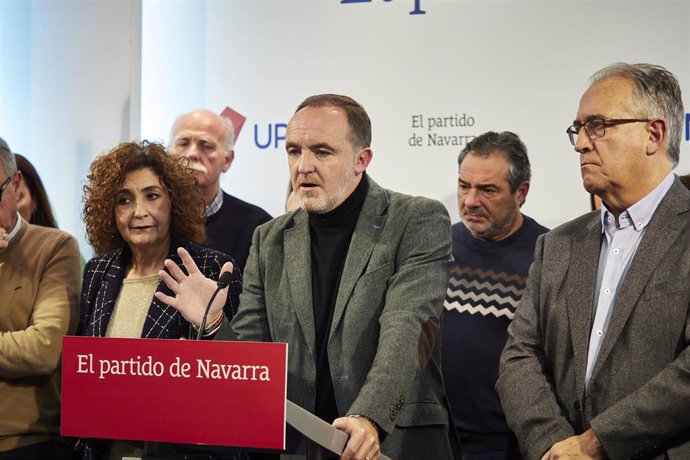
510	145
229	131
229	135
9	163
657	94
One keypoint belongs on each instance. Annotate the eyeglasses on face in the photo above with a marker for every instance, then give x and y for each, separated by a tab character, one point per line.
596	127
4	186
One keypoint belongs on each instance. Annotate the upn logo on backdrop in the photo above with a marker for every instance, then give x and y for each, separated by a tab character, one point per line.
266	136
269	135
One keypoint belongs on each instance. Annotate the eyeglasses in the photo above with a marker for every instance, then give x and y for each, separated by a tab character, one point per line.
4	186
596	127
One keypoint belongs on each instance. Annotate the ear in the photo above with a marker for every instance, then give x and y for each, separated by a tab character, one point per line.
521	192
362	160
228	160
658	134
16	182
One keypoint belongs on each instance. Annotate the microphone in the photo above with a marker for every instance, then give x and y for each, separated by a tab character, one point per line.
222	283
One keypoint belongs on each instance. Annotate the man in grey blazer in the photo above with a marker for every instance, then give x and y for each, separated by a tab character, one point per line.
597	363
354	281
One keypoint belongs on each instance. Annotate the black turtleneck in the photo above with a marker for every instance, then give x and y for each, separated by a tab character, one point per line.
331	233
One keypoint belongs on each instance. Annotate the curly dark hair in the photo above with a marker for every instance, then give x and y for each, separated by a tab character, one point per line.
107	173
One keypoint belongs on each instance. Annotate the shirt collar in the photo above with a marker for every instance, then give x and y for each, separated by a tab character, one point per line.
215	205
16	228
641	212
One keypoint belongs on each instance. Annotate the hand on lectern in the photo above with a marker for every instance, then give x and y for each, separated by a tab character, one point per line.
364	440
193	290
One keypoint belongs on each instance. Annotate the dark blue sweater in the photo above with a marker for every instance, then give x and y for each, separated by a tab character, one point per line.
230	230
486	282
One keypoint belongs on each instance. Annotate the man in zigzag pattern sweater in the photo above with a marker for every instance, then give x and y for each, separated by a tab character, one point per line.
493	248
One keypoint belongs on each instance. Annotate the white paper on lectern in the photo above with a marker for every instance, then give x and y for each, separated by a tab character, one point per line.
319	431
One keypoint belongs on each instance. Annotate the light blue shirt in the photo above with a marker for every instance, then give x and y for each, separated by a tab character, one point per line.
617	251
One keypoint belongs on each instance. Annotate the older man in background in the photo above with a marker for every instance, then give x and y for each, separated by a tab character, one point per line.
206	140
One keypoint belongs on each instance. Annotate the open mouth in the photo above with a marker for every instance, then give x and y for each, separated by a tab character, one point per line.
308	186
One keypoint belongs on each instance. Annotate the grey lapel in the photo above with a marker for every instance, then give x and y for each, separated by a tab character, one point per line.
581	283
367	232
660	234
297	255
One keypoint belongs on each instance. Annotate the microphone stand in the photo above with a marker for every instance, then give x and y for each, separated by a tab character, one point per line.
222	283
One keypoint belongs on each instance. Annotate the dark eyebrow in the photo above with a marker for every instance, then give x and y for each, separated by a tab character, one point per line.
145	189
479	186
589	118
321	145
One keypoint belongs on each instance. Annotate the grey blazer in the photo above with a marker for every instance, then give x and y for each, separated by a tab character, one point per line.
638	401
382	347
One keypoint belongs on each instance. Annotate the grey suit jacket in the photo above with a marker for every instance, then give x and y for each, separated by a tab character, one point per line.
638	402
382	347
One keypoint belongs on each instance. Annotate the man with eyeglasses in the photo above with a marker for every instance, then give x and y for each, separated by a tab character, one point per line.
40	281
597	361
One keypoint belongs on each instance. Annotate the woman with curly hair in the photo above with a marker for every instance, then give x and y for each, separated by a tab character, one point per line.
141	207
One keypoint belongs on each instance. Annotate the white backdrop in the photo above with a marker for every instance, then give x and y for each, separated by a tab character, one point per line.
511	65
69	89
518	65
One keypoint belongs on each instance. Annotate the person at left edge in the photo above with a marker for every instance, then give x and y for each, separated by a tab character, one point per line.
140	207
39	291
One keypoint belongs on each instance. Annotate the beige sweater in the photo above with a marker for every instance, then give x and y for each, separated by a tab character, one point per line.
40	282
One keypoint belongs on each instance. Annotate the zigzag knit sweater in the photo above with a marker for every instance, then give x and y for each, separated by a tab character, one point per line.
485	285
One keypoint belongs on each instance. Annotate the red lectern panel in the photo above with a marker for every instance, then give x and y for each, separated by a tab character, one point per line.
182	391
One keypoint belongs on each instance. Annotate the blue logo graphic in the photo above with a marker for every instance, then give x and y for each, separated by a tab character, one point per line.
275	133
417	7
